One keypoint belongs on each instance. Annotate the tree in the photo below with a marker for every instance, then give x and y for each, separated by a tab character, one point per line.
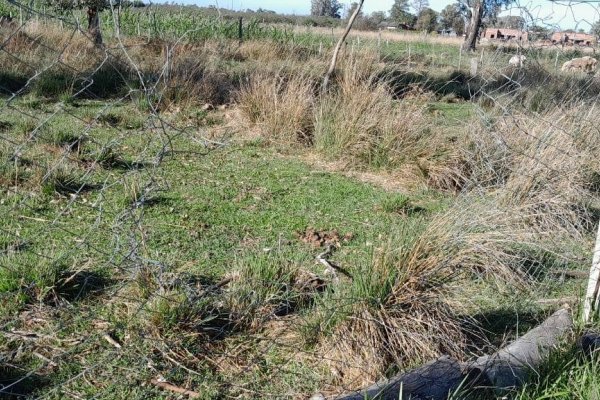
427	20
452	18
511	22
351	9
370	22
595	30
419	5
377	17
325	8
477	11
399	13
537	32
94	7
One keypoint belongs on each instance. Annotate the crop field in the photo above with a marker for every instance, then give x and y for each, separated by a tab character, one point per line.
189	215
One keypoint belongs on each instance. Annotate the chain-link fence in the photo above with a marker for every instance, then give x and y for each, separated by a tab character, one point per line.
185	213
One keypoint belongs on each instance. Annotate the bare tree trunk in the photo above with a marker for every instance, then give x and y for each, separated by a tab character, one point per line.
473	31
94	25
336	51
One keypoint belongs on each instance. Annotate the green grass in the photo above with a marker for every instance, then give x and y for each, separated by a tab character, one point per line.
137	251
567	375
203	266
241	210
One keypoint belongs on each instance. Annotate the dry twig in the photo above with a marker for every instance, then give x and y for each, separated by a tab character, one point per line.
176	389
111	340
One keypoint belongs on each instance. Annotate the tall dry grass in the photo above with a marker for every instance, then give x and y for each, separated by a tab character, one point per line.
396	315
281	107
360	121
527	200
545	162
389	35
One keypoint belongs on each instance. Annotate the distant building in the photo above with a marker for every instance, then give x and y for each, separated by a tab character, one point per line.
572	38
446	32
385	25
505	34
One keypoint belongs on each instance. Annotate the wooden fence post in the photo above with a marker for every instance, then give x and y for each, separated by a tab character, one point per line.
474	65
241	29
592	294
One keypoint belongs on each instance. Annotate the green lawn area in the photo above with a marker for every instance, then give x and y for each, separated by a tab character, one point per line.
197	266
80	256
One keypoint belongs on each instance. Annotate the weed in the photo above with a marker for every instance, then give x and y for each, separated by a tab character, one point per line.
110	119
28	277
54	84
62	136
133	190
63	180
401	204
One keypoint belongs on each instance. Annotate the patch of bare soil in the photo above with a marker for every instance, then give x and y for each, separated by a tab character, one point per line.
323	238
400	181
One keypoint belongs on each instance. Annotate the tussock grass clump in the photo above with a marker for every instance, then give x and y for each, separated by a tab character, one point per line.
31	277
280	106
270	286
62	136
194	81
540	90
544	164
265	287
393	313
63	179
10	173
365	126
268	52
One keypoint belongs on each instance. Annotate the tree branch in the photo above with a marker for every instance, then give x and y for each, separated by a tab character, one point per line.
338	46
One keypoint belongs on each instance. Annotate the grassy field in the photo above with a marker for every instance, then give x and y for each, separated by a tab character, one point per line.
200	213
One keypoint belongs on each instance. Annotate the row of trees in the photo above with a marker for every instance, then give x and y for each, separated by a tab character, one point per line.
422	18
416	14
466	17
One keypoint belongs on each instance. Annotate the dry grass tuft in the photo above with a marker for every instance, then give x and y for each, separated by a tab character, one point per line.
363	124
542	164
411	324
280	106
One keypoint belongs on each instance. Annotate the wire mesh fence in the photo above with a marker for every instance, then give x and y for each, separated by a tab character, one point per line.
186	214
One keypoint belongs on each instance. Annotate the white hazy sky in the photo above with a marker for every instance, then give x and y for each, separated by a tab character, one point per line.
544	12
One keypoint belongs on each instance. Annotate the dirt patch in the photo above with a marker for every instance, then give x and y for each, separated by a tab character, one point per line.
400	181
323	238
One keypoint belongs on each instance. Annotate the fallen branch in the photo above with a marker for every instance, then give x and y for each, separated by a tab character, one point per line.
175	389
507	368
331	268
434	380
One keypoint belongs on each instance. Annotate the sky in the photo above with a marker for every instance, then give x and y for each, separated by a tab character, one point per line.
563	14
